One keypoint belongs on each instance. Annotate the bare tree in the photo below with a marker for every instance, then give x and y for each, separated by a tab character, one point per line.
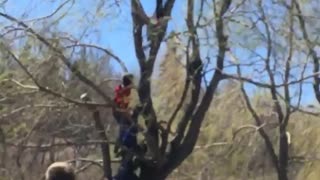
276	66
162	162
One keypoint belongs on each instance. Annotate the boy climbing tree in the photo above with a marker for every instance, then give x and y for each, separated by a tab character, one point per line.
121	112
128	128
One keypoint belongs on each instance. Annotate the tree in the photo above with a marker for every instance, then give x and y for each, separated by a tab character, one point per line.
162	163
281	49
189	126
269	46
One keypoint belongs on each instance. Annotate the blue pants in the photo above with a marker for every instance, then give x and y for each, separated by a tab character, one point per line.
123	123
124	175
126	170
129	137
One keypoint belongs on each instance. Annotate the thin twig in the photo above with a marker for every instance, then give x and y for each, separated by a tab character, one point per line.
52	14
64	59
121	62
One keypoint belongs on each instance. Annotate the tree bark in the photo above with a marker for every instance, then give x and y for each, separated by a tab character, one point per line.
283	154
105	150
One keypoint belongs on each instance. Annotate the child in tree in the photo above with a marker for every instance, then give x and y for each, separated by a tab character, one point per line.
128	129
126	118
121	112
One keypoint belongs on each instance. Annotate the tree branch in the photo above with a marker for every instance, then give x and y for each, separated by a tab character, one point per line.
60	54
168	7
121	62
197	118
146	70
52	14
194	70
282	118
267	85
180	104
138	12
288	69
105	150
178	155
44	147
257	119
47	89
316	85
273	89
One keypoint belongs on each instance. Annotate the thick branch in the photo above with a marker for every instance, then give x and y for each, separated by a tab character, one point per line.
168	7
138	12
177	156
137	31
159	9
144	90
194	73
197	118
146	70
288	69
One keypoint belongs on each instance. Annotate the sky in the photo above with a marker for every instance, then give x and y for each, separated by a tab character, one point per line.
110	26
114	31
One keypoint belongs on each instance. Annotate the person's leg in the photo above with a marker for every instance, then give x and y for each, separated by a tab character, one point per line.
124	137
119	141
120	174
118	117
130	138
124	171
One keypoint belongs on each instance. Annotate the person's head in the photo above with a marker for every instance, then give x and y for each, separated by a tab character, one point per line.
127	79
60	171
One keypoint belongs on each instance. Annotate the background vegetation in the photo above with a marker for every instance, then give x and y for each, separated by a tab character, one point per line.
232	92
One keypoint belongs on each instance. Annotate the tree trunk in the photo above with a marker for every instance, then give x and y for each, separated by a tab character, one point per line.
283	155
282	176
107	171
152	172
153	176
